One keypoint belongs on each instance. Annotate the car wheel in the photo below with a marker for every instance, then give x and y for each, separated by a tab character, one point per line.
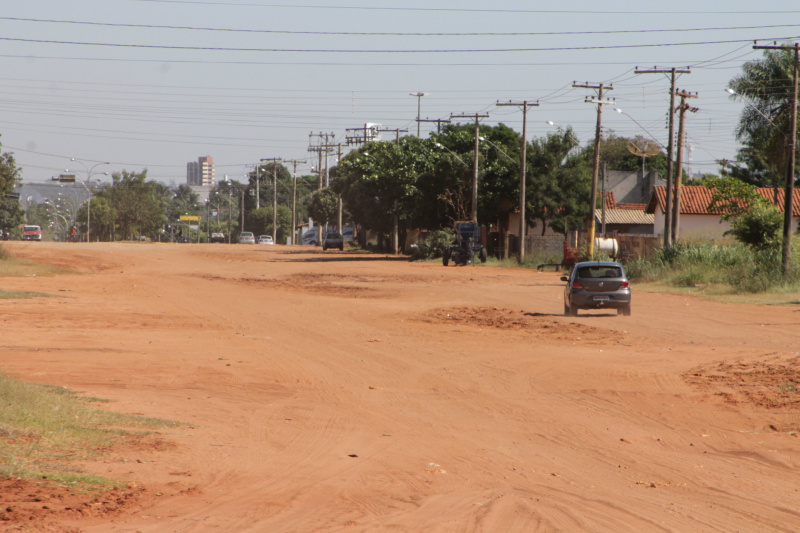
484	255
625	311
324	248
341	248
570	311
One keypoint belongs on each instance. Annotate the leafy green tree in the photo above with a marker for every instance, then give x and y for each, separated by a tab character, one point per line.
9	174
138	205
323	206
560	183
764	123
102	218
754	220
11	216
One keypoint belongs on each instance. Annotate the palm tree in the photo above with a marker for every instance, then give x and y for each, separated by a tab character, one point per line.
766	85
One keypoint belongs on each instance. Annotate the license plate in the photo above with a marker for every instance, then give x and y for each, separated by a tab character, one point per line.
601	298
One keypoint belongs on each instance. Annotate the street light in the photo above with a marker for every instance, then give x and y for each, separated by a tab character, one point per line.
419	96
89	175
443	147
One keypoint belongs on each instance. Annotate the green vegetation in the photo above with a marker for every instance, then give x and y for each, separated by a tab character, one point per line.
735	268
43	428
13	266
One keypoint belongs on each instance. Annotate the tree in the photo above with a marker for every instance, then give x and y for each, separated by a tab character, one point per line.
767	86
11	215
9	174
560	182
138	205
754	220
323	206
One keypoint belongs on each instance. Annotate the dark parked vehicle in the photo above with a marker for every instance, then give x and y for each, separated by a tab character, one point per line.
217	237
462	252
597	285
333	239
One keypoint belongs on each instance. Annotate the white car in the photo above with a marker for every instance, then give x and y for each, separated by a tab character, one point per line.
265	239
247	237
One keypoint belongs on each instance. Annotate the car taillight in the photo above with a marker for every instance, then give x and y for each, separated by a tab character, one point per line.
577	285
624	285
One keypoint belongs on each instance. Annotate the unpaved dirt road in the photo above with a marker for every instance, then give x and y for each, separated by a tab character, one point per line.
331	392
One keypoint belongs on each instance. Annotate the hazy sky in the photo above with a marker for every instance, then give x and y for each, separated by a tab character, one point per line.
158	83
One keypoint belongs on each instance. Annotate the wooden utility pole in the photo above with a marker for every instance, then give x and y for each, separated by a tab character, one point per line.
596	164
274	161
788	203
676	208
522	172
294	163
438	121
477	117
670	146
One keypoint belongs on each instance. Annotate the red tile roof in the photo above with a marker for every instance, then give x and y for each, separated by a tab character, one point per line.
695	199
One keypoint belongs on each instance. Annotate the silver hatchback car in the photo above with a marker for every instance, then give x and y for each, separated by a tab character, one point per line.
597	285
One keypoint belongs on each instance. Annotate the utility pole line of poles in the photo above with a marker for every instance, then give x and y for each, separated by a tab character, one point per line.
522	172
676	208
321	147
477	117
258	185
788	202
601	88
438	121
396	131
670	146
275	161
419	95
294	163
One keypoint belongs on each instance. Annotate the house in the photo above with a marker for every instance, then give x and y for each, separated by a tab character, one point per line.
623	217
696	222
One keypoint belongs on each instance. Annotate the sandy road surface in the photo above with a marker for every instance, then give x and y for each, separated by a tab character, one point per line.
344	392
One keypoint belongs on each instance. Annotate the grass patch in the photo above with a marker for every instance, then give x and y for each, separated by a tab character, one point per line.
23	295
44	429
17	267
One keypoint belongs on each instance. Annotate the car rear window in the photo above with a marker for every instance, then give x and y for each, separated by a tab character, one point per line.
600	272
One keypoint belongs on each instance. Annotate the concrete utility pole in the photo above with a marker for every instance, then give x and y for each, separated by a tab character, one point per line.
477	117
320	148
596	164
275	161
419	96
676	208
788	203
294	163
522	171
438	121
258	186
670	146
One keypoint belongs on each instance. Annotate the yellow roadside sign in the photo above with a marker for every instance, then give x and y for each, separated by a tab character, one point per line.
189	217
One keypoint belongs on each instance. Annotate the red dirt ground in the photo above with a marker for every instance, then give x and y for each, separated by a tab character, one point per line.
330	391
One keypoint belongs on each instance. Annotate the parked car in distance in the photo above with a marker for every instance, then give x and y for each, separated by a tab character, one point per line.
265	239
217	237
333	239
247	237
597	285
31	233
310	237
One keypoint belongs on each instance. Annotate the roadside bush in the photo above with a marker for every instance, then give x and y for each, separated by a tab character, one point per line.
433	245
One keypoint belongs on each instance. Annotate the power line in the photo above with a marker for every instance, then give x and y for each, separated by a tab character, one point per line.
387	50
396	34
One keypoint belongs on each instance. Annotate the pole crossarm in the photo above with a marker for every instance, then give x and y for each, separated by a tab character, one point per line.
438	121
600	88
522	172
670	145
477	117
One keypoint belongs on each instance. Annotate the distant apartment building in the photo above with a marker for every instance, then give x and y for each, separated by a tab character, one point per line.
200	173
